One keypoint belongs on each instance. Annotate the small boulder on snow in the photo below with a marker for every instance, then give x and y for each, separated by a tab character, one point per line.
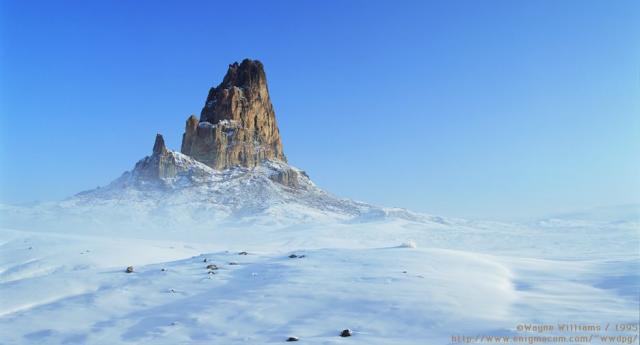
293	339
346	333
408	244
129	269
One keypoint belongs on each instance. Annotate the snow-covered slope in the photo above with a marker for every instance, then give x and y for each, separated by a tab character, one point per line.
196	196
391	281
235	192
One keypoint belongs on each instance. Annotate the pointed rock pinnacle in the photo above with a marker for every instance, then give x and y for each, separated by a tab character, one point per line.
158	147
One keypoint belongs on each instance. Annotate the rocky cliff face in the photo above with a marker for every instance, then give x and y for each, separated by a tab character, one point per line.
159	165
237	126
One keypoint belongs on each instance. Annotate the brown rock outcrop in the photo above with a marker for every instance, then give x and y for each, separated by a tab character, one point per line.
288	177
237	125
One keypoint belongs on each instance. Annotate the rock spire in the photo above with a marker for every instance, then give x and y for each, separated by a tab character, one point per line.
158	147
237	125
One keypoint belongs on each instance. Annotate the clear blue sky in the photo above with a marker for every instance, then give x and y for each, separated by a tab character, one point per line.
485	109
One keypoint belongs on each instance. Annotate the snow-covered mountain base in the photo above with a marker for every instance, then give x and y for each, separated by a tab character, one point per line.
174	192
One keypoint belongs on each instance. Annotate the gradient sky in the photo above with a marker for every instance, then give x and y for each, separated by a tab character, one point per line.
481	109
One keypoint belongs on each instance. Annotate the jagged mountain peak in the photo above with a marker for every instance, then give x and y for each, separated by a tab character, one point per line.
231	168
231	159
